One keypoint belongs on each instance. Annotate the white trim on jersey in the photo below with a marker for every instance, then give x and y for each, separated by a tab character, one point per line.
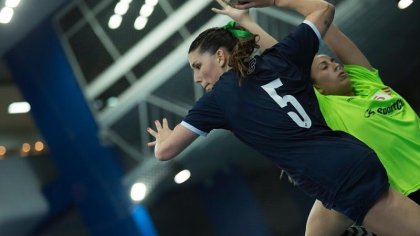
193	129
314	28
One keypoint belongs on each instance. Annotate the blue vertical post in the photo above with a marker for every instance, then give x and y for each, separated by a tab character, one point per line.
89	171
144	221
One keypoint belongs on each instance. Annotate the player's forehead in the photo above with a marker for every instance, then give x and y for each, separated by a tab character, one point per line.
322	57
196	57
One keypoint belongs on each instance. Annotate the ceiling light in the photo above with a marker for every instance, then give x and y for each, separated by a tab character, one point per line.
6	15
26	147
115	21
121	8
138	191
182	176
3	151
146	10
12	3
402	4
39	146
19	107
140	22
112	101
151	2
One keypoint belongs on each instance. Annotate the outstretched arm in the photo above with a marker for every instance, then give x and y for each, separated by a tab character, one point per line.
319	12
243	19
345	49
170	143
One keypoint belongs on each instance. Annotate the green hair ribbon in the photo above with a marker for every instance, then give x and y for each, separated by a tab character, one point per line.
238	33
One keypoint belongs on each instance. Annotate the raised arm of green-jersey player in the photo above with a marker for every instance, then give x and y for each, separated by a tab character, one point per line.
243	18
345	49
320	13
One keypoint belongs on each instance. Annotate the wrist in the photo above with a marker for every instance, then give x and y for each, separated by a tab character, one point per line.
244	20
281	3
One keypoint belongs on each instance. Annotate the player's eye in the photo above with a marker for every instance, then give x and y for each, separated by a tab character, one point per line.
323	65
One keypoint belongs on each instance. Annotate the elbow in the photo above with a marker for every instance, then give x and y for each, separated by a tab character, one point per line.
324	17
329	12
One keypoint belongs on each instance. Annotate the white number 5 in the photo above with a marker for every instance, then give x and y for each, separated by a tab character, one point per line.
282	101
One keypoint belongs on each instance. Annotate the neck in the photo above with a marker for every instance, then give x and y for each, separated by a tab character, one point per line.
350	93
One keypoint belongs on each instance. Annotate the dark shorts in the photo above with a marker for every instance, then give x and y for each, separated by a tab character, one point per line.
358	194
341	172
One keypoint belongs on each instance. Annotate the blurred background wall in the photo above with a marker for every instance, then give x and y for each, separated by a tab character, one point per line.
94	86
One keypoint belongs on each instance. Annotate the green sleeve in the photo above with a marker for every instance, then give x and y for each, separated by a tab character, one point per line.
363	80
360	74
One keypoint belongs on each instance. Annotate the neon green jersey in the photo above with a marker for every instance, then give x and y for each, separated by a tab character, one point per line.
383	120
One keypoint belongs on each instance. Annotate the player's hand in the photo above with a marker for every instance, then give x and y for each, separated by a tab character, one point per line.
161	133
234	13
246	4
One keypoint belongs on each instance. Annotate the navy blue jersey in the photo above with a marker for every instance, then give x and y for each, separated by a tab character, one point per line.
276	112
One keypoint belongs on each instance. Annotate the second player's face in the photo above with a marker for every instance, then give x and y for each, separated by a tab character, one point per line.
206	67
329	76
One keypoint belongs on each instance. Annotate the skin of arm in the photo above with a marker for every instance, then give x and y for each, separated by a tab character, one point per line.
169	143
345	49
319	12
243	19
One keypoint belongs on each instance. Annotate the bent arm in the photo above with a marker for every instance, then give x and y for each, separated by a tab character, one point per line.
319	12
243	18
170	143
178	140
345	49
265	40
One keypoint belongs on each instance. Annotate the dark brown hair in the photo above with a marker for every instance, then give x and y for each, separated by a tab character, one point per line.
241	49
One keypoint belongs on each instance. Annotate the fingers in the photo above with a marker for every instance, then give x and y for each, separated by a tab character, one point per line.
158	125
151	144
222	3
165	123
244	5
151	132
222	11
154	134
218	11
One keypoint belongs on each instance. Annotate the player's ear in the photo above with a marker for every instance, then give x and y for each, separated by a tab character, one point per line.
221	57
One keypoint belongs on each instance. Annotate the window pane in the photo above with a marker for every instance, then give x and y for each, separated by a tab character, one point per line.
90	54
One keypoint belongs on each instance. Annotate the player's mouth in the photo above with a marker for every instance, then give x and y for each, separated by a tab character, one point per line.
207	87
342	75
